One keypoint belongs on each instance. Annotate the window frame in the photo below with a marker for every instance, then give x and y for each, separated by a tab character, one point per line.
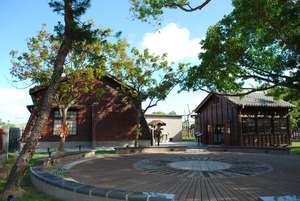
72	119
264	125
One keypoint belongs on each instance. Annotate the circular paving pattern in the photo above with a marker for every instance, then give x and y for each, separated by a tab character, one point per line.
200	165
203	167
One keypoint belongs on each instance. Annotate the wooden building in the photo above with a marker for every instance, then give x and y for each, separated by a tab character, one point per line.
253	120
108	121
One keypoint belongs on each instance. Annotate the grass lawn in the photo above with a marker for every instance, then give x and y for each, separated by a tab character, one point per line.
295	149
188	139
30	193
296	144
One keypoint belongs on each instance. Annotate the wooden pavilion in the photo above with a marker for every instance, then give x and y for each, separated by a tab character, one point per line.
253	120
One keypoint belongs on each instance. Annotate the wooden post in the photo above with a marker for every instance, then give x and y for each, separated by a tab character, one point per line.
2	133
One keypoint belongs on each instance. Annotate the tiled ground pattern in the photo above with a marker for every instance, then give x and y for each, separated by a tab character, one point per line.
274	175
189	166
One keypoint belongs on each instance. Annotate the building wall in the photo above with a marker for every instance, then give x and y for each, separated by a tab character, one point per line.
109	118
217	110
173	127
264	127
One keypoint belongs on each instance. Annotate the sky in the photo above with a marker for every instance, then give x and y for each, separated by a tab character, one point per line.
179	35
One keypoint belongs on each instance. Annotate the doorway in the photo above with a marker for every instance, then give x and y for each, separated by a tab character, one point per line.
219	134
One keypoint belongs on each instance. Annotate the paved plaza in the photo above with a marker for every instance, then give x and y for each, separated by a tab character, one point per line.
195	175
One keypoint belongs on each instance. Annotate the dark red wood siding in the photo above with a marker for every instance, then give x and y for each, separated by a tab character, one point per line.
218	111
110	117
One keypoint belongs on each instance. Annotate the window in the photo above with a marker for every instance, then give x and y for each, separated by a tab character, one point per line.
284	126
248	125
244	125
268	122
71	122
280	125
251	125
277	125
261	125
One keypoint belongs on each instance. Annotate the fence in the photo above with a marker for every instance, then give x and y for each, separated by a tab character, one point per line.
295	134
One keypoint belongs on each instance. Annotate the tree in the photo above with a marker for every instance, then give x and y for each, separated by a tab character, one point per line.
148	76
72	10
85	63
7	124
159	112
153	9
257	43
172	112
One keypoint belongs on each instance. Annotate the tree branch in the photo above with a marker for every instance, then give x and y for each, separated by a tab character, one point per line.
190	9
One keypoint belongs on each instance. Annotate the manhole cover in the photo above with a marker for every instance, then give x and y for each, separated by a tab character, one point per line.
203	167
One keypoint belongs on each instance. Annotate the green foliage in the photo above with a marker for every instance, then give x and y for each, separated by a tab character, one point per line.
86	62
192	126
295	150
149	76
7	124
172	112
188	139
30	193
148	10
144	76
159	112
257	42
295	144
78	31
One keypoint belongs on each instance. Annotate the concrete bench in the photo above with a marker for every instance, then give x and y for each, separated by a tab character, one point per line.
65	189
280	198
129	150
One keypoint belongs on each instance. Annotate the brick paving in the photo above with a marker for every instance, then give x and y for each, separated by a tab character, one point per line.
250	175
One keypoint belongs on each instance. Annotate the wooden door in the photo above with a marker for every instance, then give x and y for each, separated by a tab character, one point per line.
210	134
219	134
227	135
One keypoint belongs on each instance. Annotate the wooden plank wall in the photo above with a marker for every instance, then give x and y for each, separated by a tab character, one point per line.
114	119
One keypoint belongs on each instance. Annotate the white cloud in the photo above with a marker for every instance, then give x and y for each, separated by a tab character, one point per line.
12	94
13	104
173	40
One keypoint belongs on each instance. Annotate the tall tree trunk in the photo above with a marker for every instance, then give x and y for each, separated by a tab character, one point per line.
136	142
138	121
12	187
63	114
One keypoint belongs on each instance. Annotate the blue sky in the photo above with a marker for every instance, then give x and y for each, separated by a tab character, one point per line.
178	35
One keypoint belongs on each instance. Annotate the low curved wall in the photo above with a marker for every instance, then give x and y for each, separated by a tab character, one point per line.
68	190
130	150
265	150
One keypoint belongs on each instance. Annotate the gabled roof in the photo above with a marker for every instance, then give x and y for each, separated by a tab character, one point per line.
113	78
255	99
38	88
259	99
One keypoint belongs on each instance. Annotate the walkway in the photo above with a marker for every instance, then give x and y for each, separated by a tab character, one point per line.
196	175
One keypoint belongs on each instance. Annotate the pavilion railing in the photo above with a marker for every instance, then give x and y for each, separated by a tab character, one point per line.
295	134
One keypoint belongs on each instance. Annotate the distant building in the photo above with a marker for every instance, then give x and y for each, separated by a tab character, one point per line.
172	132
253	120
